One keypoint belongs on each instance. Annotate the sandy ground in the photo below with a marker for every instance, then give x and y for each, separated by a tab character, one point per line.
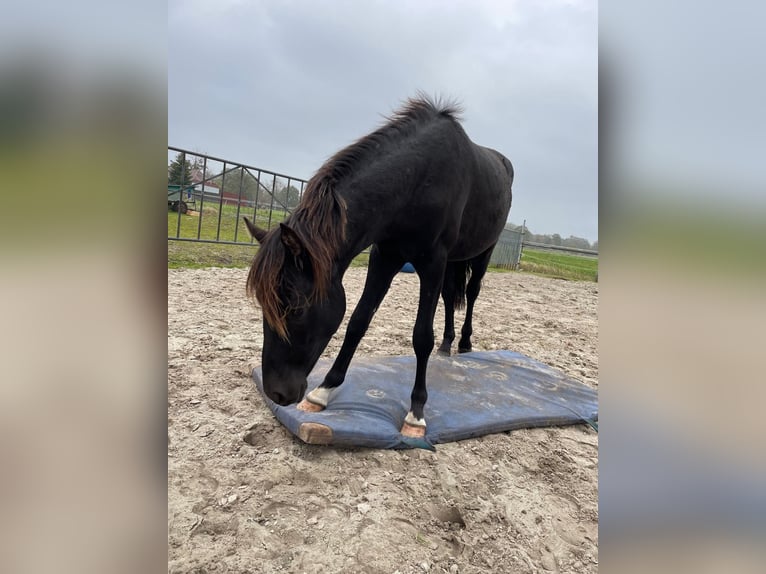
246	496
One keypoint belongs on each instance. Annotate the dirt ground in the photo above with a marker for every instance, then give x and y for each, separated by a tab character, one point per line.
246	496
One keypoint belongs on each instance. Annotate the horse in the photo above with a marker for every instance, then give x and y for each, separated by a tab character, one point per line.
416	190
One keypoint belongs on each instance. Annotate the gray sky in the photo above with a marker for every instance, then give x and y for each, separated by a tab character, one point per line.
282	85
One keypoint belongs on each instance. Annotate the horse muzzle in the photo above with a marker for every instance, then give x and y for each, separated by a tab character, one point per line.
284	391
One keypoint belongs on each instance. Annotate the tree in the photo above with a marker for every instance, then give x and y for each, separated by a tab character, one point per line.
180	171
289	196
576	242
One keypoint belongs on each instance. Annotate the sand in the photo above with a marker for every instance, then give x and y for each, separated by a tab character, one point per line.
246	496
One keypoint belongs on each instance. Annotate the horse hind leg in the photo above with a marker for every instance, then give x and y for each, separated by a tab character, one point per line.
448	296
478	269
453	293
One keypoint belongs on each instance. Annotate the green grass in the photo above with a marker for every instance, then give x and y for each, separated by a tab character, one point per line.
186	254
206	222
559	265
192	255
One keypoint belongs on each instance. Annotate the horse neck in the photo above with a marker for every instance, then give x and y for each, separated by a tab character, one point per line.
364	216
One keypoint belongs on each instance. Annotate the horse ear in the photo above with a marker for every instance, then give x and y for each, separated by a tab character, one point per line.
291	240
254	230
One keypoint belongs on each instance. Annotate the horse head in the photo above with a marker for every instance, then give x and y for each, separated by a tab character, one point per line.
298	322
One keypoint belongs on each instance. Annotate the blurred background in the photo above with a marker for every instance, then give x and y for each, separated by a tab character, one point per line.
82	399
83	138
682	135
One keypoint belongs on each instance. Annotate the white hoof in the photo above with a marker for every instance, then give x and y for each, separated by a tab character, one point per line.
319	396
413	427
411	420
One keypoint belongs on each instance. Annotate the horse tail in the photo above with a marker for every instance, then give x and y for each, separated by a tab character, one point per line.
461	276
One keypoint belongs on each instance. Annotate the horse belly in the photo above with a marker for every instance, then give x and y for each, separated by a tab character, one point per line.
473	242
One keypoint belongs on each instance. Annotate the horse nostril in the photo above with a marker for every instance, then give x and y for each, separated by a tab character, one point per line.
278	398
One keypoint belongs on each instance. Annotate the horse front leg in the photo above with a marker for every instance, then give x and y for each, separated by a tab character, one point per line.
431	275
380	272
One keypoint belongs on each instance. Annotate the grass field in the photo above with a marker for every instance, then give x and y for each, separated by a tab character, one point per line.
559	265
206	222
186	254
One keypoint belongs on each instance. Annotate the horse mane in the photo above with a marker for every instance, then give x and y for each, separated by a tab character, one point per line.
320	218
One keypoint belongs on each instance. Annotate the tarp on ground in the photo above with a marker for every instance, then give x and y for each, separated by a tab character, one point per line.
469	395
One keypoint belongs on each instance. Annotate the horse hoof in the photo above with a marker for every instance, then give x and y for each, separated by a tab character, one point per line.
309	407
464	350
413	431
444	352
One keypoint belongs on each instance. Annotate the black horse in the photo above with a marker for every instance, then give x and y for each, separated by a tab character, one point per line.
416	189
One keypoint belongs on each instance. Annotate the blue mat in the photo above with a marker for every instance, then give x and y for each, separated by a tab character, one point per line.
469	395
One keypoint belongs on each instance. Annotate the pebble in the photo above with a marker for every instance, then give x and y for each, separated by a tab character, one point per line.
363	508
312	520
275	451
425	566
195	401
453	569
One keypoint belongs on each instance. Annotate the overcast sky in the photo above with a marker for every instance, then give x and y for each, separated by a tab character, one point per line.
282	85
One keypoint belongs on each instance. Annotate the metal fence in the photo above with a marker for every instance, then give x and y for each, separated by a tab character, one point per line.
507	252
209	207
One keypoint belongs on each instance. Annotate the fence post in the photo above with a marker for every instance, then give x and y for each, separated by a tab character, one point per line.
521	244
202	197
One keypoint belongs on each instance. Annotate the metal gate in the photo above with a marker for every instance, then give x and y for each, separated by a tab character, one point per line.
218	192
507	252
